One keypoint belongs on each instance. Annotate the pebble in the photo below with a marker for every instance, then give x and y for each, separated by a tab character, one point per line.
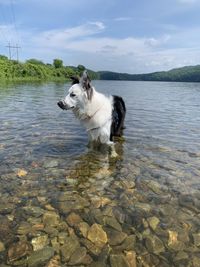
40	242
78	256
50	218
73	219
97	235
153	222
118	261
83	228
128	243
40	257
143	206
154	244
70	246
18	250
2	246
115	237
131	258
196	239
112	222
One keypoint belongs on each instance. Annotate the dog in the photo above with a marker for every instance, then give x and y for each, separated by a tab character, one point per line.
102	116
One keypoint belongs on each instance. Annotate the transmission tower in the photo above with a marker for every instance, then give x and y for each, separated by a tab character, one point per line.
12	48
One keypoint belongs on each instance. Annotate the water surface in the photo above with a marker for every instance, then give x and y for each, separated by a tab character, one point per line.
146	202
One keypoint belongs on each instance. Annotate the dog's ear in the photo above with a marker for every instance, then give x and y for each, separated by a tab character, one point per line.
75	79
85	82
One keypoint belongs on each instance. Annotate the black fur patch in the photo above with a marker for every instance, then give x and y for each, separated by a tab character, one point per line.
75	79
86	83
118	116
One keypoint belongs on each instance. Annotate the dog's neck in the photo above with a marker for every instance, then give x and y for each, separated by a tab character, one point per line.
86	116
87	112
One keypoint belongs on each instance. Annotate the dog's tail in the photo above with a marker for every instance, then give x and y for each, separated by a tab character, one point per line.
118	116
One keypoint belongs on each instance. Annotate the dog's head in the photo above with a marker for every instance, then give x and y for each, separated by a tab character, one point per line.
79	93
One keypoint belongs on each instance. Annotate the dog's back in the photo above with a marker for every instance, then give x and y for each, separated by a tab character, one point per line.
118	116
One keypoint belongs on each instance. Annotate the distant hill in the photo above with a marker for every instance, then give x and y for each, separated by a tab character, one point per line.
184	74
34	69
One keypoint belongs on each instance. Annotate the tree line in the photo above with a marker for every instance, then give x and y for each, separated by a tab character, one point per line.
34	69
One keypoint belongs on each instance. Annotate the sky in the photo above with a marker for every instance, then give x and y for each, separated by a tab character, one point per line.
129	36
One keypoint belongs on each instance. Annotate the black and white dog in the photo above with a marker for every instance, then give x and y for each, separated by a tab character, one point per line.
102	116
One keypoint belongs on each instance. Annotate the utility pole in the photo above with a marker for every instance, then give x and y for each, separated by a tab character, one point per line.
10	48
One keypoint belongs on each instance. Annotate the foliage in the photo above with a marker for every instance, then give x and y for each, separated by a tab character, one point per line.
34	69
35	61
58	63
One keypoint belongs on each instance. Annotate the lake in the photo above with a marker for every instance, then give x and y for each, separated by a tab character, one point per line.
62	204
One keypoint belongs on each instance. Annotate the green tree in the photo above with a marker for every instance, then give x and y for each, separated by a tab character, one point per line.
35	61
80	68
58	63
3	57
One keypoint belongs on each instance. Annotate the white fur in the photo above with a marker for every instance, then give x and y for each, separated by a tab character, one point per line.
95	114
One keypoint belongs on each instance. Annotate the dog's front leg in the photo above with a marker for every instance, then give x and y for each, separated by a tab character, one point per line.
113	152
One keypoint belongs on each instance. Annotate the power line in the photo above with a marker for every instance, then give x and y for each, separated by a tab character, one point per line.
13	19
10	51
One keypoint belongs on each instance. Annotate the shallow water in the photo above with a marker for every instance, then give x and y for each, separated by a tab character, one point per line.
145	204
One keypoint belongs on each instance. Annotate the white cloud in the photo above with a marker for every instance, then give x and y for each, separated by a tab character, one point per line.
60	37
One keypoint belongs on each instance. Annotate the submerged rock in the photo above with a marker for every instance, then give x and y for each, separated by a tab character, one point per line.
118	261
143	206
2	247
181	255
127	244
83	228
112	222
154	244
93	249
24	228
54	262
39	242
62	237
21	173
115	237
173	241
173	237
153	222
196	239
18	250
70	246
50	164
78	256
40	257
33	211
154	186
196	261
131	258
73	219
97	235
51	218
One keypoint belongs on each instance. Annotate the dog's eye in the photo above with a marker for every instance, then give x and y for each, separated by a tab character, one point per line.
72	95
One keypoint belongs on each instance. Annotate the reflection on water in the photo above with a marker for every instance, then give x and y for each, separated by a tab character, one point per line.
64	205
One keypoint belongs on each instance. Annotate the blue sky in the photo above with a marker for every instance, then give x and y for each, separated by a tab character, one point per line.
133	36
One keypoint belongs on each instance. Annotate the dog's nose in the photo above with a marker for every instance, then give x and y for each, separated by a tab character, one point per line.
61	104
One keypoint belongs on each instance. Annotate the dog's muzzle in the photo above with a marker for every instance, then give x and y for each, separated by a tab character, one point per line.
61	104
